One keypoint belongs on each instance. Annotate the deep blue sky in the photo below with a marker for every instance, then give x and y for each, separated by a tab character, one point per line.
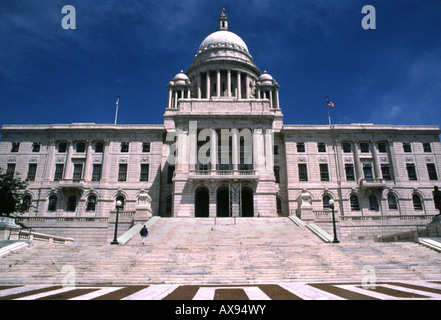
391	75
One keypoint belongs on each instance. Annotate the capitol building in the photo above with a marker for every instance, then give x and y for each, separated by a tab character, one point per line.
224	151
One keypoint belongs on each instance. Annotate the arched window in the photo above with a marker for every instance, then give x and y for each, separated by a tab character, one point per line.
355	205
373	203
417	204
392	202
52	204
27	199
91	203
71	204
121	198
326	202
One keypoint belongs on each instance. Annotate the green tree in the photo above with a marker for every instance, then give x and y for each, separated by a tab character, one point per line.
12	191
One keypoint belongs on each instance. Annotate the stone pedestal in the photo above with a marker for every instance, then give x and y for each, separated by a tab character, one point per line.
144	208
305	207
6	225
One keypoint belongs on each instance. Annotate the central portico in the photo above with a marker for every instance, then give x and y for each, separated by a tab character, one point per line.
221	118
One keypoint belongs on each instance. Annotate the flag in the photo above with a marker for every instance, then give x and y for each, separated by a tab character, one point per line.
330	104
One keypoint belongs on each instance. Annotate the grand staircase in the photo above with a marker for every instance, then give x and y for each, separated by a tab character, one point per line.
221	251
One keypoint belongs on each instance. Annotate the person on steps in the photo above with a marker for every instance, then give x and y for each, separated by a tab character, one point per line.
144	232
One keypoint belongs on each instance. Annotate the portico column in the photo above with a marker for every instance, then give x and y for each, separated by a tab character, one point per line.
258	150
218	81
377	168
235	149
213	149
229	82
239	86
393	164
357	161
269	150
247	86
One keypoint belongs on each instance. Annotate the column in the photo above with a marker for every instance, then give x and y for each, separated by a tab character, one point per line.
88	164
229	82
199	85
176	100
105	161
258	151
269	147
239	86
357	162
393	164
377	168
234	149
169	97
50	161
247	86
218	82
277	99
271	98
208	85
188	93
213	149
68	164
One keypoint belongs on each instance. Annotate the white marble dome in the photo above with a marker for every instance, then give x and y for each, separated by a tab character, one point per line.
223	38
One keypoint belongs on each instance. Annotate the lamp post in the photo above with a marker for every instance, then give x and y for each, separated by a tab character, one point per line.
331	204
118	206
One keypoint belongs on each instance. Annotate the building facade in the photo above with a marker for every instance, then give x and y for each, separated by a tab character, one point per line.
224	151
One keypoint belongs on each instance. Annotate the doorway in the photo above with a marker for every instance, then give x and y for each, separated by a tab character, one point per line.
202	203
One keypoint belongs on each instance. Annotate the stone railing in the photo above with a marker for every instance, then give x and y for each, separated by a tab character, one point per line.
64	219
383	218
37	236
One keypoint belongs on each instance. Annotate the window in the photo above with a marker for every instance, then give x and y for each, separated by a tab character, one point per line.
59	168
170	172
300	147
96	172
385	171
303	173
432	171
81	147
373	203
347	147
15	146
321	147
355	206
276	150
52	203
124	147
144	172
36	147
382	147
123	201
62	147
32	170
122	174
367	169
407	147
349	168
277	173
99	146
417	204
78	172
10	169
91	203
71	204
27	200
146	147
279	206
392	202
326	204
324	174
364	147
427	147
411	172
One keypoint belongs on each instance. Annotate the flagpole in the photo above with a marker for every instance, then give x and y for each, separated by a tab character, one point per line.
329	114
116	112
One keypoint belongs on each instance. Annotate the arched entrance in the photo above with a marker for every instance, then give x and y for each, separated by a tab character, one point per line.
202	203
247	203
223	203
